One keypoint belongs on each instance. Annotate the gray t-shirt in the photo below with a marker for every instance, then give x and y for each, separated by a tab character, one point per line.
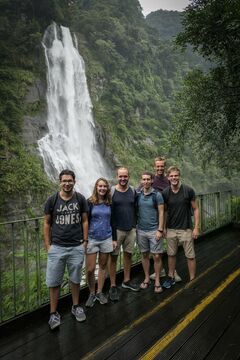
66	228
147	212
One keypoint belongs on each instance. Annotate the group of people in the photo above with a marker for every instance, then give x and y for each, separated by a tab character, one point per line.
115	217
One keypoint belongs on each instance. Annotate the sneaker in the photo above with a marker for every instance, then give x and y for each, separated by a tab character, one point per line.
78	312
91	300
177	277
129	285
113	293
162	274
168	282
101	298
54	320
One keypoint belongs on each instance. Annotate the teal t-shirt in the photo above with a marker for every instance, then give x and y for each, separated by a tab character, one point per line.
147	212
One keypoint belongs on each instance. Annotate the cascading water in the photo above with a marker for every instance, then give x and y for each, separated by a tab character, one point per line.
71	141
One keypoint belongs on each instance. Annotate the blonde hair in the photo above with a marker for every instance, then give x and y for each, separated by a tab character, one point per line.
173	168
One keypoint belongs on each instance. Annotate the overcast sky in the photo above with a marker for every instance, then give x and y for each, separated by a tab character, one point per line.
153	5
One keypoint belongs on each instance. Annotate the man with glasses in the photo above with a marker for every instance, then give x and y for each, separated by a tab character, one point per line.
65	238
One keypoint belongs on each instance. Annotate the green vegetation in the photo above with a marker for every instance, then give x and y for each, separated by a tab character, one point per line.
133	74
209	103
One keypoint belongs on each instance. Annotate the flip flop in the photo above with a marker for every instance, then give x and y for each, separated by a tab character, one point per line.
144	285
158	289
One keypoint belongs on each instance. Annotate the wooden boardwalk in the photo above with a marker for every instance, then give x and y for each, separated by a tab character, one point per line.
197	320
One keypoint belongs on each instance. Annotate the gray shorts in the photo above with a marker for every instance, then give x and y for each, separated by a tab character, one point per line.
58	258
147	242
126	239
104	246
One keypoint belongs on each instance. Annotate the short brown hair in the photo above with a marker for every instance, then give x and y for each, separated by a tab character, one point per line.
148	173
122	168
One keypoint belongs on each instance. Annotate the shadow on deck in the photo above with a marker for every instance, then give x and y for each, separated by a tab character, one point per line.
200	320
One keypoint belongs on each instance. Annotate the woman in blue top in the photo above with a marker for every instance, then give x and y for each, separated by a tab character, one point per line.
99	239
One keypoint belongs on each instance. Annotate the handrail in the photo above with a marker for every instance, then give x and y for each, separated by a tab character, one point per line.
23	257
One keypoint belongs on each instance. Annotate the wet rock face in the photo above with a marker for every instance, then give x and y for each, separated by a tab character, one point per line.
34	127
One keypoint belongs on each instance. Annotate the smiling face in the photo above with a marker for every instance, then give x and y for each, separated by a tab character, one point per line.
122	177
146	181
159	167
67	184
102	188
174	178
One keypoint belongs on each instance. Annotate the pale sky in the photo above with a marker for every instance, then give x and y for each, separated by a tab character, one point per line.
153	5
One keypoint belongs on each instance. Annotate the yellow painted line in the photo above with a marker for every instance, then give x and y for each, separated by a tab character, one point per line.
170	336
113	339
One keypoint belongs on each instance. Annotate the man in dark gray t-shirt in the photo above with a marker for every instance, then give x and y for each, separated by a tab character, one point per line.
65	237
124	230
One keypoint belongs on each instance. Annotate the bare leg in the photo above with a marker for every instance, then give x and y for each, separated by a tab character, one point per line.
54	296
171	265
157	258
75	288
145	265
113	269
127	262
191	268
90	269
102	261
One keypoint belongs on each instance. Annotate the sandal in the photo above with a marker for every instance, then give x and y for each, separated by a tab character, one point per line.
158	289
144	285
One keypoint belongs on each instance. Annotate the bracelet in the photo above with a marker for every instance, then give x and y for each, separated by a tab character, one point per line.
85	240
161	231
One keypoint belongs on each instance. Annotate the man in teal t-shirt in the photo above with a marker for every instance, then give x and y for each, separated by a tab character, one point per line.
150	229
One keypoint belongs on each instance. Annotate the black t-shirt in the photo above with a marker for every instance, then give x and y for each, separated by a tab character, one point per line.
66	229
179	215
123	209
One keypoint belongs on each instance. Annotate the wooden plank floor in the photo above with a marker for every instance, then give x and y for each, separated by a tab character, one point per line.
137	325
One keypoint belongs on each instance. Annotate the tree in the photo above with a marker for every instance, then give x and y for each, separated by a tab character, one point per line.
210	102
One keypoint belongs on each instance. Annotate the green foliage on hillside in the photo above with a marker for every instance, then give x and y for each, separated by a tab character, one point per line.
210	102
132	75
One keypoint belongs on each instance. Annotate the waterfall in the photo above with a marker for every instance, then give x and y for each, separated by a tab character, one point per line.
70	142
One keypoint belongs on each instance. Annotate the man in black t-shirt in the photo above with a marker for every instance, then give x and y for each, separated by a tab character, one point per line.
124	230
180	201
161	182
65	236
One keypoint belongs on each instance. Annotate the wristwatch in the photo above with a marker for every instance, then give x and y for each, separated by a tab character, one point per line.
161	231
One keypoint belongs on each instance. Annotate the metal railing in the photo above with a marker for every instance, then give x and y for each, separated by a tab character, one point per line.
23	257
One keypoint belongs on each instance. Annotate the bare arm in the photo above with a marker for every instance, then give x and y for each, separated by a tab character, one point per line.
85	225
160	221
196	218
46	231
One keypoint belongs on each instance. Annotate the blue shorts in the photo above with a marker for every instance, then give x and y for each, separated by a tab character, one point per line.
58	258
104	246
147	242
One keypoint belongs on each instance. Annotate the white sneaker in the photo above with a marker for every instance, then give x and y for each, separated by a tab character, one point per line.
162	274
177	277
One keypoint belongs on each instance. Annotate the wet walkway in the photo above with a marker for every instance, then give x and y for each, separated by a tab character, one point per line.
197	320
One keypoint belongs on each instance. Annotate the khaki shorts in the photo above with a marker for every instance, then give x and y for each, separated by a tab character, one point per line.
182	237
126	239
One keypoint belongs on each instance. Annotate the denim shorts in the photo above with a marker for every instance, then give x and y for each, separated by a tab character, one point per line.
104	246
147	242
58	258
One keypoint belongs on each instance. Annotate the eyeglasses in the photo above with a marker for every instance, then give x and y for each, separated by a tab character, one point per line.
67	181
